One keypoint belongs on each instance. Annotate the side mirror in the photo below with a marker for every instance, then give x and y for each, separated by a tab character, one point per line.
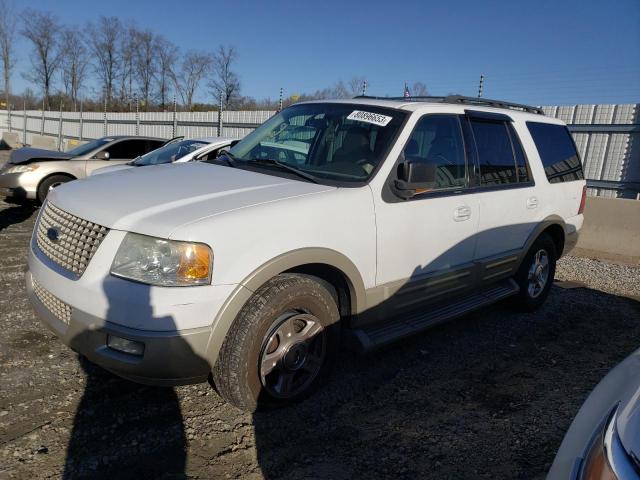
414	177
104	155
234	143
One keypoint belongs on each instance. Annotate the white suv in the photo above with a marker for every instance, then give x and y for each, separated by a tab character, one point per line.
365	220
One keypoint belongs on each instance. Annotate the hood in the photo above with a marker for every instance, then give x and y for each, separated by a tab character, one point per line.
156	200
28	154
111	168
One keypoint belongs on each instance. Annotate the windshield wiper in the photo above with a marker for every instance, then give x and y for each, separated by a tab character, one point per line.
284	166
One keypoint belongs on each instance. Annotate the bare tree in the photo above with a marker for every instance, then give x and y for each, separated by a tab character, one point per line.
7	37
30	100
75	59
127	48
355	86
104	47
167	56
193	69
225	82
145	63
419	90
42	30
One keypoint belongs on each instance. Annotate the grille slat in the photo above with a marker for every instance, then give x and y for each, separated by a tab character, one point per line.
57	307
78	239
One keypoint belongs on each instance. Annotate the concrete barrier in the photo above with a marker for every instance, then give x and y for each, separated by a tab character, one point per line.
71	143
11	139
611	230
42	141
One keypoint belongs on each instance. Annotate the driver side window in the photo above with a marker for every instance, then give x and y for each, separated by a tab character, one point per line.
437	140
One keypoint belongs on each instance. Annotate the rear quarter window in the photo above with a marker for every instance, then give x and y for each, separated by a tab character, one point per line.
557	151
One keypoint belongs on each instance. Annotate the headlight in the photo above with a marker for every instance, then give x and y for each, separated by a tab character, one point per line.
606	458
22	168
163	262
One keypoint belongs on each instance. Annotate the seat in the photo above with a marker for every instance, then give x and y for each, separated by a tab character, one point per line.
355	146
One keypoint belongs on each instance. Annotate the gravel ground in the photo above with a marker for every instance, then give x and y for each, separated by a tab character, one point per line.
487	396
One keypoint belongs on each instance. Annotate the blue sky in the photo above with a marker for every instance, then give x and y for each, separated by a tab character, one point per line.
538	51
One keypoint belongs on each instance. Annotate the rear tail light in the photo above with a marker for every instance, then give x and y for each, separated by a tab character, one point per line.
583	200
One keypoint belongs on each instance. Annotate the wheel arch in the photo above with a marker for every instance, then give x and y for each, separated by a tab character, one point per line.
326	264
552	225
52	174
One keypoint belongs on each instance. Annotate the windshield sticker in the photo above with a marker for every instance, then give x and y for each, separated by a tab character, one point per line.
369	117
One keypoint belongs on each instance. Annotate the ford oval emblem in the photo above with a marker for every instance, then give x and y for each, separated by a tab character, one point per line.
53	234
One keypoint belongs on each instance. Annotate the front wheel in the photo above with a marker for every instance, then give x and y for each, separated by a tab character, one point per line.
280	345
49	184
536	274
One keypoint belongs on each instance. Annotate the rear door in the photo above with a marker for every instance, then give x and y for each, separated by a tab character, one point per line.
508	202
122	151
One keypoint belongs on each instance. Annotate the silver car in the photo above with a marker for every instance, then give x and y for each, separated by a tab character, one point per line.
603	442
32	172
177	150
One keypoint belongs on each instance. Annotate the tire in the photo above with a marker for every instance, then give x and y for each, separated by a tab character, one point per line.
49	183
535	275
258	365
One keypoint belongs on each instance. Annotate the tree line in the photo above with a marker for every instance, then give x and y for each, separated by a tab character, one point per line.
127	64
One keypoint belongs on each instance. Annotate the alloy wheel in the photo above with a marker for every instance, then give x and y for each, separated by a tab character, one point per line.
292	354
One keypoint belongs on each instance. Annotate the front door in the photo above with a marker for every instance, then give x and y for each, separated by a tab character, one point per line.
120	152
426	244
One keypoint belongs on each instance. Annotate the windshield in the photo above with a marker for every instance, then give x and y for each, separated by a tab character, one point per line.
87	147
169	153
340	142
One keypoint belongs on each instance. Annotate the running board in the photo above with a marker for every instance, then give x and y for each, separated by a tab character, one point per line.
379	334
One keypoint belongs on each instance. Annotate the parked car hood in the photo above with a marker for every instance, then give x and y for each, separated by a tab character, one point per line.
28	154
620	389
157	200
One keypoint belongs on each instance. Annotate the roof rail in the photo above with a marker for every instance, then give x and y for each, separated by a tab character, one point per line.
460	99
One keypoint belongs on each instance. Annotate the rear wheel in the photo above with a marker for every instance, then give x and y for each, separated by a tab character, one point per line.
536	274
280	345
49	184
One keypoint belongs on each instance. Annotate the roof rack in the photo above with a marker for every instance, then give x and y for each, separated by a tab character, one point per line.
460	99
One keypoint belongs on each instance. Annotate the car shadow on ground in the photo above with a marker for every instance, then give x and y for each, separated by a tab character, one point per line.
122	429
19	211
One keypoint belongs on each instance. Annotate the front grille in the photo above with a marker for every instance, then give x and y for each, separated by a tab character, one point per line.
60	310
77	239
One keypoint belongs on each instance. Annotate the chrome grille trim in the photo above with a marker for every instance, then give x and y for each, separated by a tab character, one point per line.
57	307
77	242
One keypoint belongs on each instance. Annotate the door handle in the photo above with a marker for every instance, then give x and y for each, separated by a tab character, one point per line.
461	214
532	202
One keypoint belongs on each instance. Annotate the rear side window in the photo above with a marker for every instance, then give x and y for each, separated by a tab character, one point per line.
557	152
495	153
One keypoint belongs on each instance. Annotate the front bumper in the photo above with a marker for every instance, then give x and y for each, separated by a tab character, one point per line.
175	324
22	185
169	358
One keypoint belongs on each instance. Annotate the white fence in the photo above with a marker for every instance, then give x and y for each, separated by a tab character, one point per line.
608	140
91	125
607	136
